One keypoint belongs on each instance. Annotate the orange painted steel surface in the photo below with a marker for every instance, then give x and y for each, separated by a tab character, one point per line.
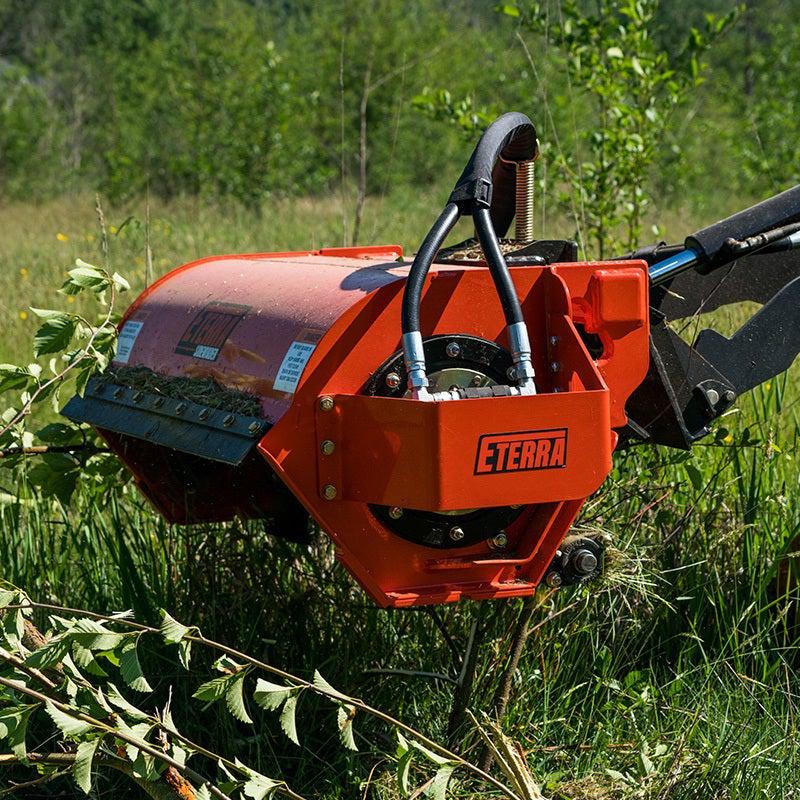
395	451
238	318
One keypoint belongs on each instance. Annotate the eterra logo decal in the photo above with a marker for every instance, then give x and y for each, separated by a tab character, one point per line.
522	451
210	329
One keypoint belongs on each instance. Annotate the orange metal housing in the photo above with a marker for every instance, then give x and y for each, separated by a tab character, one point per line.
546	452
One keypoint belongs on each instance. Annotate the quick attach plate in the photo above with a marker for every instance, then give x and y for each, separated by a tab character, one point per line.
212	433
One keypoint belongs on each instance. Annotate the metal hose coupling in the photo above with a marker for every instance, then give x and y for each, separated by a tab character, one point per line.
520	346
414	357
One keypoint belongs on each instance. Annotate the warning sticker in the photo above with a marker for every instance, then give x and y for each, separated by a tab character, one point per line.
126	340
210	329
295	360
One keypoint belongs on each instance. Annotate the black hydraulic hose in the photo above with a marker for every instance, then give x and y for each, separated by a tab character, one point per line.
497	266
422	262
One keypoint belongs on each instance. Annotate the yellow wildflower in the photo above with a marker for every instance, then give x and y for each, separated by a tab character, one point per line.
728	439
70	298
62	237
23	273
112	228
23	315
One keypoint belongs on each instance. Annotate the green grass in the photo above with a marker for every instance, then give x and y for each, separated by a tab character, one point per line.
675	679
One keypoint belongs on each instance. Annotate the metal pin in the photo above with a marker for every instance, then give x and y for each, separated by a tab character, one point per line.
456	533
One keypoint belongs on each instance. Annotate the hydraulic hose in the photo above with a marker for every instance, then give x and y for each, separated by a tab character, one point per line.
508	140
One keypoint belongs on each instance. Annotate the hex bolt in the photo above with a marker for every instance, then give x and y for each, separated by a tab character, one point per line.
456	533
585	562
327	447
138	397
158	402
712	395
553	341
499	541
392	380
554	366
326	403
204	414
118	393
395	512
229	420
329	491
476	381
180	408
511	372
729	396
453	349
553	579
254	427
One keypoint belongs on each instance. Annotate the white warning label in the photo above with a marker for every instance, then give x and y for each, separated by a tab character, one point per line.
292	366
126	340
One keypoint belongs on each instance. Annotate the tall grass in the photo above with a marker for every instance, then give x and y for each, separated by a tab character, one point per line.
674	678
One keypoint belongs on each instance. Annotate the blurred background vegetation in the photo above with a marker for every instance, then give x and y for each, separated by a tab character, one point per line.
266	98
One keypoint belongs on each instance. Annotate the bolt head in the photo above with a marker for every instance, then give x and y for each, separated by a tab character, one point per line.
453	349
229	420
511	372
392	380
204	414
585	562
712	395
327	447
729	396
476	381
456	533
554	366
138	397
254	427
553	579
180	408
329	491
499	541
395	512
326	403
553	341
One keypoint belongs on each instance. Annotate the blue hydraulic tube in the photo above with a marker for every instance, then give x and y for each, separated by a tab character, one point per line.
670	267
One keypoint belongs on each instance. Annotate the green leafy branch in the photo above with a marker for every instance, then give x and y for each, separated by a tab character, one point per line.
83	644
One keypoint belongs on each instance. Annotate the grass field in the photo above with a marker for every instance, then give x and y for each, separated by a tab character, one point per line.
675	678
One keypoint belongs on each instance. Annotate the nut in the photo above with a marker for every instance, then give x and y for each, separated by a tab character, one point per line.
453	349
329	491
585	562
395	512
229	420
729	396
499	541
326	403
456	533
511	372
254	427
327	447
392	380
553	579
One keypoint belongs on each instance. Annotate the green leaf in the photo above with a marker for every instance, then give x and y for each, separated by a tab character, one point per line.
82	768
215	689
203	793
14	377
13	725
172	630
344	719
509	9
321	683
259	786
615	52
404	772
55	334
270	695
234	698
429	754
89	277
695	476
118	701
68	725
50	654
438	788
288	720
58	433
46	313
130	667
120	284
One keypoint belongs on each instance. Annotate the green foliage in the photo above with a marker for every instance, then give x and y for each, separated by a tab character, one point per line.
632	86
